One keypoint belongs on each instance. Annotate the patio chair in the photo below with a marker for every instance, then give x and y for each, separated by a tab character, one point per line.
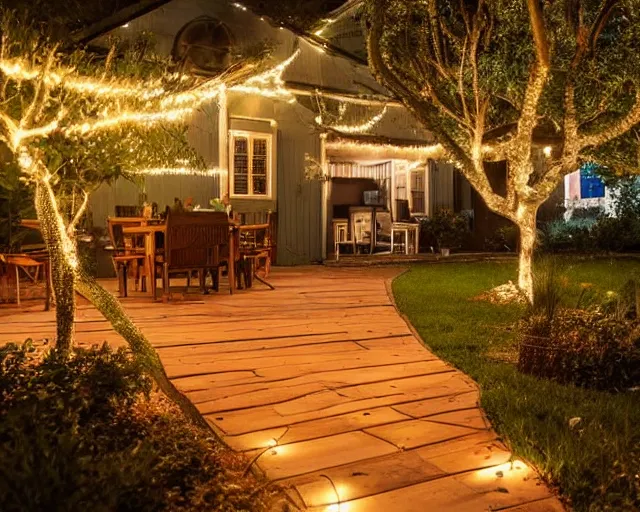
31	267
256	252
198	241
124	256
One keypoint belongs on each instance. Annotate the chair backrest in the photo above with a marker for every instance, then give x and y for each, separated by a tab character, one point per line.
196	239
384	220
116	234
128	210
403	214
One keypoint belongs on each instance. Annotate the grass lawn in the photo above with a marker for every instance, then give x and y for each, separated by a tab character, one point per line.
597	463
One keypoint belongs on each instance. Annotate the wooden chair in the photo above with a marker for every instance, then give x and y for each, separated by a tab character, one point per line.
198	241
256	252
29	265
124	257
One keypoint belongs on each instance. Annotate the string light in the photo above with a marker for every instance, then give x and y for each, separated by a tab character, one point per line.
360	128
268	84
372	151
67	78
184	171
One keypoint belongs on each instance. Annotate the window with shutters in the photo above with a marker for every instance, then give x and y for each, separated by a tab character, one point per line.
250	158
418	191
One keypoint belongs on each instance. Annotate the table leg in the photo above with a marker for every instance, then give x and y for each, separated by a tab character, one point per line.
406	241
150	249
232	262
17	285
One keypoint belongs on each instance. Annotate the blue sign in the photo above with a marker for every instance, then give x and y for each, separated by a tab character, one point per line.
591	185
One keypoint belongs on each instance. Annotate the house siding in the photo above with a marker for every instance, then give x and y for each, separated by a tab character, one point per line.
296	200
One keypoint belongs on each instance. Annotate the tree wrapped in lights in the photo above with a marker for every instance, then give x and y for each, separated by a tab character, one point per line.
71	123
545	86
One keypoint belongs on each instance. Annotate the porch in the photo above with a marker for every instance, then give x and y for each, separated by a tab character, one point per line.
323	385
377	193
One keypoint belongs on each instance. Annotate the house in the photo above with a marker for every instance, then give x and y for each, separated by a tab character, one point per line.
585	189
329	114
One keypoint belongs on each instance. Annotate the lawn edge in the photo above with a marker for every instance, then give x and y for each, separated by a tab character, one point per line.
504	439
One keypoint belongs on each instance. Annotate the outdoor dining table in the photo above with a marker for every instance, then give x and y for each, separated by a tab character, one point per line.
149	231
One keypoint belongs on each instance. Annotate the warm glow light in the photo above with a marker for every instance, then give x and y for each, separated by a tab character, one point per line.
270	83
172	107
339	507
373	151
335	496
547	151
360	128
69	79
505	470
185	171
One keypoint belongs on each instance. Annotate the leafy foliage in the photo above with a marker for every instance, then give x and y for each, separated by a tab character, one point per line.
592	229
428	43
446	228
84	429
16	203
585	348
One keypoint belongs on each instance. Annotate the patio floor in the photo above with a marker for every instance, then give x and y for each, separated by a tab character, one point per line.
325	386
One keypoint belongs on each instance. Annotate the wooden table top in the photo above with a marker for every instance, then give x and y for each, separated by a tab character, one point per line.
142	230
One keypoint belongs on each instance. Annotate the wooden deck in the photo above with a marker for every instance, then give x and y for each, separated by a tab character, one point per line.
323	384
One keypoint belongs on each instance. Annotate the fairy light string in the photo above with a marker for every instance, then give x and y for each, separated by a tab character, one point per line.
155	103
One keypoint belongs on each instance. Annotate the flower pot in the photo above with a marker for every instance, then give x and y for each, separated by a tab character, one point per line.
445	252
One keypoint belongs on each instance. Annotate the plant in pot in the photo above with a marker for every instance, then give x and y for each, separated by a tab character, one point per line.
449	229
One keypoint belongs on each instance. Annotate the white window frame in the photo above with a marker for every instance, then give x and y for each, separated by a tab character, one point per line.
251	136
424	171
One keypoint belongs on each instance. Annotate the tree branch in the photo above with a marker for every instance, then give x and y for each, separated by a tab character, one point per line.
461	89
539	32
40	94
79	213
615	129
423	110
600	22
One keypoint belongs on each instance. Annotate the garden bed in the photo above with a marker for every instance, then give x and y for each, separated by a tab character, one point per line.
91	434
584	441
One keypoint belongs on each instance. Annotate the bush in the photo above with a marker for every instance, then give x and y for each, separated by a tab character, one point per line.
586	348
82	435
621	231
445	229
504	239
572	235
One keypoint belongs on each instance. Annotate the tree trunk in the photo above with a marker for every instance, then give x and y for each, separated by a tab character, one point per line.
526	221
112	310
69	277
62	257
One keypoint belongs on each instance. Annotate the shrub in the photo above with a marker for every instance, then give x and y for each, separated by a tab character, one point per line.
585	348
80	434
504	239
571	235
446	228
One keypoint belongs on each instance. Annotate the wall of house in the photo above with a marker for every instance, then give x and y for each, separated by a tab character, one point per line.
297	200
162	189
